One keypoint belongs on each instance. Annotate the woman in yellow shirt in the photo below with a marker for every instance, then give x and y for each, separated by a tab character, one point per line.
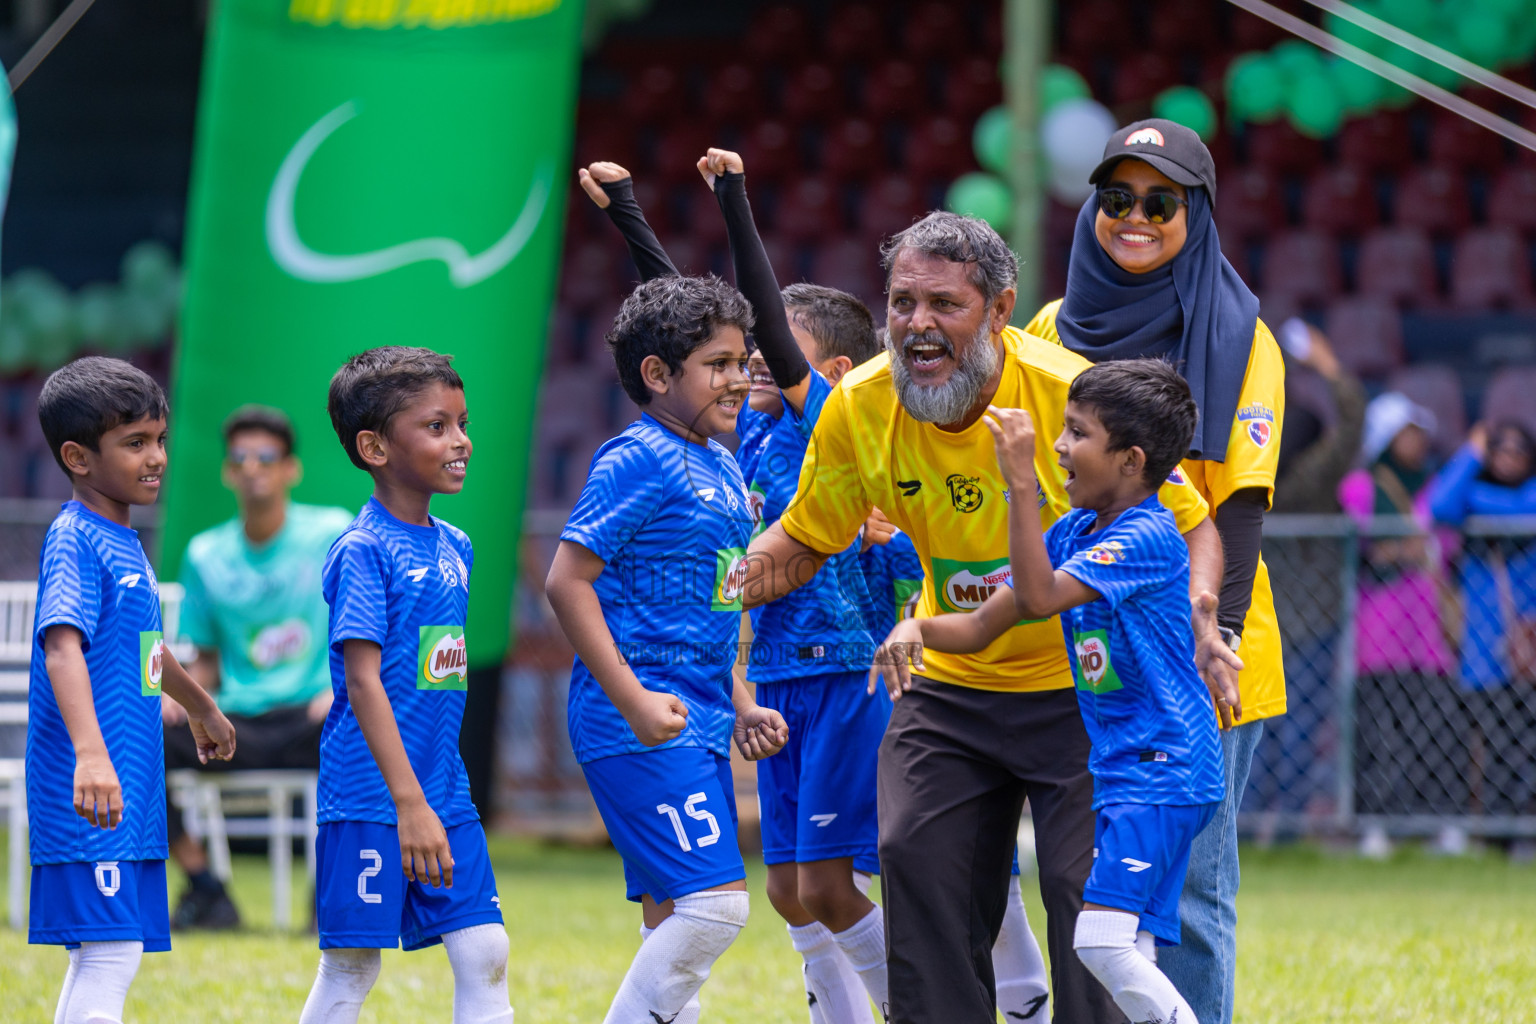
1147	278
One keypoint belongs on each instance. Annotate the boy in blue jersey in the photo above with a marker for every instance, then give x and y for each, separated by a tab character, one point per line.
646	585
393	788
95	755
1116	570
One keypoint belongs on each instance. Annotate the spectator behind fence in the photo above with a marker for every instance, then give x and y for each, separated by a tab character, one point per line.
1314	455
256	614
1494	474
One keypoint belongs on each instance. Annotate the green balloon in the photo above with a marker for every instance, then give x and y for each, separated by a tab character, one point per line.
984	196
14	354
1189	107
1255	88
1479	35
1059	83
1314	107
1299	60
1354	34
1359	89
992	139
1415	16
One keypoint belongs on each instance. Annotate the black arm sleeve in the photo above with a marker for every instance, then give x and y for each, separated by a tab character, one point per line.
1240	522
644	247
754	276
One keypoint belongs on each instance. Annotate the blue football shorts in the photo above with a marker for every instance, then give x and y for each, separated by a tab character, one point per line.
1140	856
817	795
104	901
364	901
671	814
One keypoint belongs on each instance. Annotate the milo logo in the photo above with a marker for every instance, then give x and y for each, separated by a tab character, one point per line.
756	502
730	579
906	593
279	643
1095	670
444	664
965	586
151	662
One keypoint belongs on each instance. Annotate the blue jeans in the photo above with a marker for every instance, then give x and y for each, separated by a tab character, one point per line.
1203	965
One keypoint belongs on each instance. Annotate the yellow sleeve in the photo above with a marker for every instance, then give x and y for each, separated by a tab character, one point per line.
1044	323
830	504
1180	497
1253	448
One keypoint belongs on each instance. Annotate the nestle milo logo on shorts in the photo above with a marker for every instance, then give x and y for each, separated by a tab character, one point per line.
441	655
730	579
279	643
151	662
1095	670
964	586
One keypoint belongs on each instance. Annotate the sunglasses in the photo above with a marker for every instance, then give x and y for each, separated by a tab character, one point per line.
1160	207
263	456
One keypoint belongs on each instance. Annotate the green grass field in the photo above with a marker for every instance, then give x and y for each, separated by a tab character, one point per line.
1324	939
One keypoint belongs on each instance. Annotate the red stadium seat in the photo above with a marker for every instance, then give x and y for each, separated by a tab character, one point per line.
852	150
1397	264
1439	390
1456	142
783	256
691	254
971	86
1509	397
1512	199
606	140
769	151
679	148
894	89
1143	76
1250	32
1433	198
778	34
1282	148
591	273
1340	200
1367	335
1490	269
734	93
813	93
851	264
1183	26
1380	142
701	212
809	210
657	92
855	33
1248	205
938	148
1275	308
888	205
1097	27
1304	265
930	24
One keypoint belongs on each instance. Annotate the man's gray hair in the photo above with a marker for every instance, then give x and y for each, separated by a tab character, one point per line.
993	266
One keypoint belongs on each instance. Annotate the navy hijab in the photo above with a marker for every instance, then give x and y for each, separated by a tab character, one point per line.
1194	310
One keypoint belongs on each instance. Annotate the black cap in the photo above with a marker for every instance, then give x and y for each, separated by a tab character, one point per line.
1167	145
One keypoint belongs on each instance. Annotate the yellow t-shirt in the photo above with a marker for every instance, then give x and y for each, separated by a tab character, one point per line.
1253	452
946	492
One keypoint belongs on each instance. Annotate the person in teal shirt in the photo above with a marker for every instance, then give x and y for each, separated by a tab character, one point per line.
255	612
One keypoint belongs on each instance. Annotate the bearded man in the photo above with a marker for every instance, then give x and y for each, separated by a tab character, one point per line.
971	736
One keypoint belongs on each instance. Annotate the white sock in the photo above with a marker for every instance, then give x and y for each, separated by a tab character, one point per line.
1146	945
96	984
1105	941
864	946
832	987
478	956
1023	990
676	958
689	1014
862	882
341	985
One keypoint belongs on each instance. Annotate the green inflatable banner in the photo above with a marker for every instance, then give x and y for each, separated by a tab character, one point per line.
375	172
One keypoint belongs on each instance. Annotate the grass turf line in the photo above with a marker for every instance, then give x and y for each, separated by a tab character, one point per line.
1323	939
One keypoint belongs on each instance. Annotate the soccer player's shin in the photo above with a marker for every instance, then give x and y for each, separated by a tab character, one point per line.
1023	988
676	958
833	989
1106	943
478	956
97	983
341	985
864	946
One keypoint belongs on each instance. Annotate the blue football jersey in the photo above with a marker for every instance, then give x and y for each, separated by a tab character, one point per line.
670	519
753	430
405	588
95	577
893	574
818	628
1148	714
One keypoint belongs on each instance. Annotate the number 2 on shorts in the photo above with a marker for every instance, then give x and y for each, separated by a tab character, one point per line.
692	809
367	873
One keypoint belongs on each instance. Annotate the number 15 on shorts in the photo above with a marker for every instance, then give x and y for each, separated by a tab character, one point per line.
693	810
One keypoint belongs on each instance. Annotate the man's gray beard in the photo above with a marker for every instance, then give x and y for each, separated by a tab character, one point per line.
950	401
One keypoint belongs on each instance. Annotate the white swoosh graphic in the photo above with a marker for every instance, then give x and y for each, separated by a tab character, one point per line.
302	262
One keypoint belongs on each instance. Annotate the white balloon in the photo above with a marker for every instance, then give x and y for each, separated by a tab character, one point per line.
1072	136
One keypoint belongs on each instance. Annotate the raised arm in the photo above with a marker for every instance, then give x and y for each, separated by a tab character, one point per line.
777	564
725	174
613	190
